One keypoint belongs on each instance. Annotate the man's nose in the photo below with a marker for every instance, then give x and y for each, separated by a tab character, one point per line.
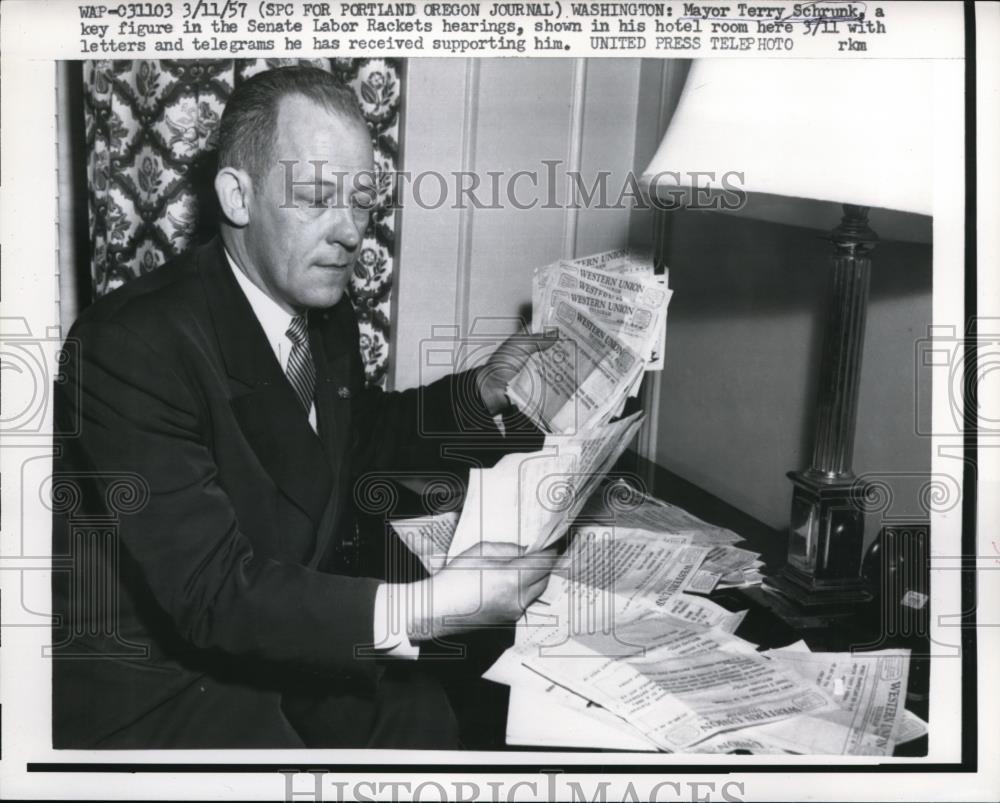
343	229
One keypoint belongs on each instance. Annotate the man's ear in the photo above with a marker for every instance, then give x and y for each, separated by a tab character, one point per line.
234	189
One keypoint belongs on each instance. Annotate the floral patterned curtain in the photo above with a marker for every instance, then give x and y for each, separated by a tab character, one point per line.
151	128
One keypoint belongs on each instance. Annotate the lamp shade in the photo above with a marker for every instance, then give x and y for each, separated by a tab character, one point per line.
844	131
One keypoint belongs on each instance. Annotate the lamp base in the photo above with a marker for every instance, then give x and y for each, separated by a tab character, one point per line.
825	543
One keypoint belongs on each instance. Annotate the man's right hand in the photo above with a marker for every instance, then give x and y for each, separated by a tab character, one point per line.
488	584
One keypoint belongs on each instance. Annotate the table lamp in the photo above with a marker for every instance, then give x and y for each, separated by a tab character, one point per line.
804	138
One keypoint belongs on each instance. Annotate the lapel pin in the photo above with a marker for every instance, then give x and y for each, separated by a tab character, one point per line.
343	392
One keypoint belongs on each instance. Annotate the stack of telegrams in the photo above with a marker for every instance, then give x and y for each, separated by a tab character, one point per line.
610	310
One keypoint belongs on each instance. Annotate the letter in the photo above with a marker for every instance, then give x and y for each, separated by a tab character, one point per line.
442	795
633	190
672	784
550	778
515	786
701	192
401	179
291	183
587	196
395	786
511	189
416	190
495	176
461	190
551	183
579	796
460	786
293	794
733	195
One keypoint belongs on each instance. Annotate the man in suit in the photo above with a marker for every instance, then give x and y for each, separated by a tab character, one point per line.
225	393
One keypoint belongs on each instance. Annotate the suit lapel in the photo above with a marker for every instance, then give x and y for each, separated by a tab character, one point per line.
268	412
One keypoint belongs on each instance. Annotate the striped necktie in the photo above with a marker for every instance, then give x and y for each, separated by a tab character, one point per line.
301	371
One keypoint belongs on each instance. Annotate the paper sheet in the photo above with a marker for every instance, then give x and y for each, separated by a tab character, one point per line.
531	499
540	712
682	689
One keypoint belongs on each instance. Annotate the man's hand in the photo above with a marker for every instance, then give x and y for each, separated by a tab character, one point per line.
504	364
488	584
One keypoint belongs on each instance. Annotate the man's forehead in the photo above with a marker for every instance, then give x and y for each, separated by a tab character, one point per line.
308	132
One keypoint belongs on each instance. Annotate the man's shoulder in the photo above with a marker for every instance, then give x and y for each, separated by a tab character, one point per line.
167	299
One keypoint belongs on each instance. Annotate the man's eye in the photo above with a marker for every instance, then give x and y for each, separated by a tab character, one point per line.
364	200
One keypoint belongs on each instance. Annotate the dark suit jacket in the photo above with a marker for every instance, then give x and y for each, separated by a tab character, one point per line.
204	528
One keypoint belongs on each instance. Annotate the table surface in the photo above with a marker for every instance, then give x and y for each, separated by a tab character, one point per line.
481	706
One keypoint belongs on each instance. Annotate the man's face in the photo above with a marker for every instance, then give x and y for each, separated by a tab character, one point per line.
310	210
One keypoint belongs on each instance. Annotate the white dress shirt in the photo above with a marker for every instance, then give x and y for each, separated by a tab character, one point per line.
390	634
273	320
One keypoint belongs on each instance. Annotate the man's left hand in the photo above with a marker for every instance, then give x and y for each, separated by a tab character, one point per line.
504	364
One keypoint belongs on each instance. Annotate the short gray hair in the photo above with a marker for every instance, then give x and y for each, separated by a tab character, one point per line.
249	122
